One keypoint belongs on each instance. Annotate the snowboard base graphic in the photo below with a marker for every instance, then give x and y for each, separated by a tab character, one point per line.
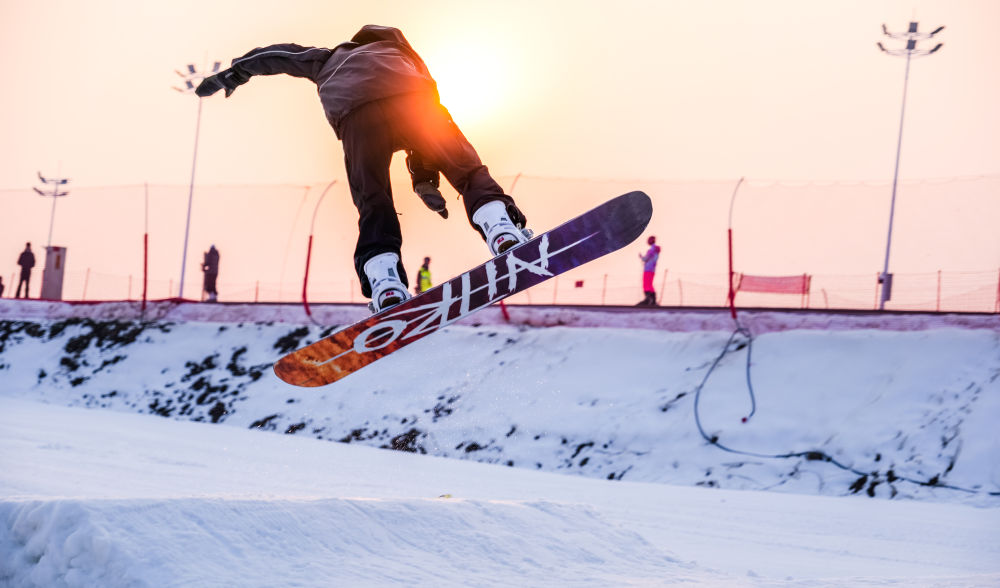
595	233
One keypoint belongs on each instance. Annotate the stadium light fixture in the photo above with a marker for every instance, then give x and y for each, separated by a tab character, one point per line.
911	36
54	193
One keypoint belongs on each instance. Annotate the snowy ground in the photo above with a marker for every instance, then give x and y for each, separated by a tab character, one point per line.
905	408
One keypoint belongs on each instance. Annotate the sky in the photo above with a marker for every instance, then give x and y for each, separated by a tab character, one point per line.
503	485
661	90
636	92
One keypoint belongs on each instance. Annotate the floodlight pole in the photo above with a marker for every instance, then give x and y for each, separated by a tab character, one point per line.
192	76
911	36
55	194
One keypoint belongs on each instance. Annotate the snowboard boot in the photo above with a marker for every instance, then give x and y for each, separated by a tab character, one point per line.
500	232
649	300
387	289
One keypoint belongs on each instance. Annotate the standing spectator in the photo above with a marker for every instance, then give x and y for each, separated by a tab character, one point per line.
26	261
210	266
1	287
424	277
648	269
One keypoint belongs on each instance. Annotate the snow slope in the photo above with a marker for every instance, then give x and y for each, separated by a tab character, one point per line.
900	409
98	498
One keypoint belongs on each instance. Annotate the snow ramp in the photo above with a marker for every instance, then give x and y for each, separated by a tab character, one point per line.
223	542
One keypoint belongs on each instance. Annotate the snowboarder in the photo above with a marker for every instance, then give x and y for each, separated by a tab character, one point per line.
27	261
210	265
648	270
379	97
424	277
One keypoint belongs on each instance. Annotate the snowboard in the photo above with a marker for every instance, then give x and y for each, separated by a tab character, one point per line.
595	233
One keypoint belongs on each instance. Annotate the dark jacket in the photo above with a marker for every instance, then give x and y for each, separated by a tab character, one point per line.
210	264
26	260
376	63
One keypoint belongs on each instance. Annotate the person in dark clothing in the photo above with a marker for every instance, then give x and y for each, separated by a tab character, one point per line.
210	265
379	97
1	287
27	261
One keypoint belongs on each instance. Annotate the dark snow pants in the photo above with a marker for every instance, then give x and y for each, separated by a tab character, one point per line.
25	281
415	122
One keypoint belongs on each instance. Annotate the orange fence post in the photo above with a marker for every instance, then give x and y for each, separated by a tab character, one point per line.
937	306
997	307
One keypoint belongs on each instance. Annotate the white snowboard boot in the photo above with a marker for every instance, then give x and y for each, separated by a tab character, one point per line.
387	289
501	233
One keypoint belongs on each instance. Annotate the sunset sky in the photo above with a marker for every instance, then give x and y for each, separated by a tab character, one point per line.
628	91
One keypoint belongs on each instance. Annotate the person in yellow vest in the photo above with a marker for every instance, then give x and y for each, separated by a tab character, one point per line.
424	277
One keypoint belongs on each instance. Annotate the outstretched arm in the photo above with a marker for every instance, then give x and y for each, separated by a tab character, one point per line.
283	58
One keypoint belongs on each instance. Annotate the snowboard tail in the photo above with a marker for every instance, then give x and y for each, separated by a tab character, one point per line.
600	231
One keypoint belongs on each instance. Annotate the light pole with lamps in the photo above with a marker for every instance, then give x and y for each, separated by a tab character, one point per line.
55	257
191	78
910	51
53	193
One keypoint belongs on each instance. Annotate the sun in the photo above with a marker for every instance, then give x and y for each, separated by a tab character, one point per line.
472	78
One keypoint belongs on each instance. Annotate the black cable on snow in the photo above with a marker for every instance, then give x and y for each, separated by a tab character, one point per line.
810	455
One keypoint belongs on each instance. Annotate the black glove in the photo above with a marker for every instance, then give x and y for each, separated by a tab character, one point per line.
227	79
432	198
425	183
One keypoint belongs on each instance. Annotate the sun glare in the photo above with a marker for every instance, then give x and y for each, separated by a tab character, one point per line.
471	77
